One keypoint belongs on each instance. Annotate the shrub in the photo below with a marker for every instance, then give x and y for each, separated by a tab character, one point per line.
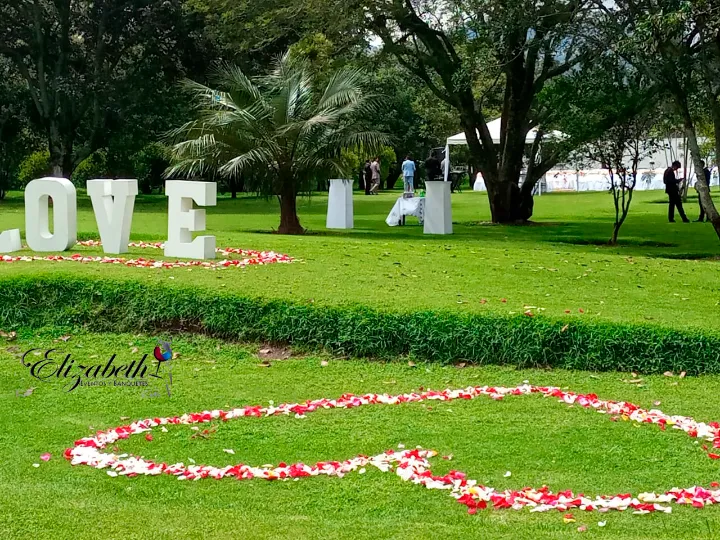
92	167
36	165
150	164
437	336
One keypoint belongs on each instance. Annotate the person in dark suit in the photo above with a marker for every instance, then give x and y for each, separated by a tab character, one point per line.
706	178
367	174
671	188
432	167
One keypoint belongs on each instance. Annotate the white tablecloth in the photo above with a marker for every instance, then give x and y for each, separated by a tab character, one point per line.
406	207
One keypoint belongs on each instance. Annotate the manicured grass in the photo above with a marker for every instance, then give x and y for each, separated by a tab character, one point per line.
538	440
661	274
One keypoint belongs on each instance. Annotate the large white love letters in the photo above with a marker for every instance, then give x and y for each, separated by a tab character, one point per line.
10	241
37	231
183	220
113	202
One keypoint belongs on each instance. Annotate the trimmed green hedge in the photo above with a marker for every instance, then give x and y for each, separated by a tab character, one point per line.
428	335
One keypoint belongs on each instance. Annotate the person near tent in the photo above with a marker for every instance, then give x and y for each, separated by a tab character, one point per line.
706	177
367	176
408	170
671	188
432	167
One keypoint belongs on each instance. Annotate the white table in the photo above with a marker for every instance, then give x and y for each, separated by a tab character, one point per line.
406	207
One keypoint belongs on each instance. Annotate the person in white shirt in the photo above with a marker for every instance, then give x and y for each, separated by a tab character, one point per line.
408	170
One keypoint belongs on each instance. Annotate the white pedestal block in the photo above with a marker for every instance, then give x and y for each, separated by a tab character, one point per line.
340	205
438	210
10	241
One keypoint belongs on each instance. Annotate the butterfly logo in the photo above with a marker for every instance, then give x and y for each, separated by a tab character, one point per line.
162	351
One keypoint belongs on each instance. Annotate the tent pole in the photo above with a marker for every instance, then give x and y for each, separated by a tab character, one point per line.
446	172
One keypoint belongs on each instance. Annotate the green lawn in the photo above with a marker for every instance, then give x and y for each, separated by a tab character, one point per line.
539	440
661	274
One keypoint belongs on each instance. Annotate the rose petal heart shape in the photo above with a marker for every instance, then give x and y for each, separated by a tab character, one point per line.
412	465
249	258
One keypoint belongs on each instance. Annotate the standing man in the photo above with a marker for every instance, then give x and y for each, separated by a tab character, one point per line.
432	166
408	170
367	176
706	177
671	188
375	169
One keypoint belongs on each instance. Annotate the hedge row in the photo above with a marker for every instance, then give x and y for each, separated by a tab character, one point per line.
428	335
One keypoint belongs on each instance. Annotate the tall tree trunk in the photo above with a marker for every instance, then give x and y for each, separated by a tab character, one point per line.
392	177
289	221
61	153
703	190
504	196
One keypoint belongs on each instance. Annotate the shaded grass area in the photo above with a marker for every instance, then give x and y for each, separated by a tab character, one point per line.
538	440
560	265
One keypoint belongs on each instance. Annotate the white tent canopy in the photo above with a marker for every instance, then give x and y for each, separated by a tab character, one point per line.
494	128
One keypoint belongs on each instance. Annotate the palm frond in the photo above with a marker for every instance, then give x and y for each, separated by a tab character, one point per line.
272	124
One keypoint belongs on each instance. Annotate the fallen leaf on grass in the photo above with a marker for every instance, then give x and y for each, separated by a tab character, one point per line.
632	381
411	363
135	350
503	300
64	338
264	363
9	336
229	451
264	351
669	374
460	365
28	392
324	363
564	328
508	474
483	301
682	375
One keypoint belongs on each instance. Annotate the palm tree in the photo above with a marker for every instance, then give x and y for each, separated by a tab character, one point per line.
279	131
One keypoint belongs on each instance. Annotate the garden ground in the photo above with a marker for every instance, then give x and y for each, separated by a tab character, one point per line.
661	273
538	440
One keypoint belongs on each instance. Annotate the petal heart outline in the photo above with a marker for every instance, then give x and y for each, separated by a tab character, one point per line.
413	465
